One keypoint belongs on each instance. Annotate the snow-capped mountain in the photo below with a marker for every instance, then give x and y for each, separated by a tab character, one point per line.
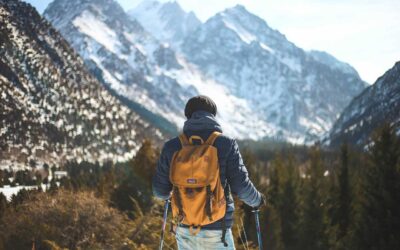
301	93
168	22
51	108
377	104
137	66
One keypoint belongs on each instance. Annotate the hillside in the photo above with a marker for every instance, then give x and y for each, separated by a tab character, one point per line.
299	92
52	109
378	104
134	64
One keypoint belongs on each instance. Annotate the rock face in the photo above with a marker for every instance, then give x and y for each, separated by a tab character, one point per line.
300	93
137	66
167	22
377	104
52	109
263	84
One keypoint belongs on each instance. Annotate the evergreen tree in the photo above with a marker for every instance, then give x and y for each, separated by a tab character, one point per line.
340	201
378	212
3	204
53	186
288	207
65	183
313	234
2	177
145	161
18	199
273	233
132	189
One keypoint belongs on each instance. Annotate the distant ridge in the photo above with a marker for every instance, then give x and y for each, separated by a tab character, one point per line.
377	104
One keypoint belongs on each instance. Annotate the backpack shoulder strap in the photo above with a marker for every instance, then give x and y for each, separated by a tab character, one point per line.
212	137
183	139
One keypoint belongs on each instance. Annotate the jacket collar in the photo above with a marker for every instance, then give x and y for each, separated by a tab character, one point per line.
202	120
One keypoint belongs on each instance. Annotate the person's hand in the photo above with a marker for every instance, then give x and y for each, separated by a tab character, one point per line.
263	202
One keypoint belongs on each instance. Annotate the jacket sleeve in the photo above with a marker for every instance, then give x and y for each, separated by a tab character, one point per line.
238	178
162	187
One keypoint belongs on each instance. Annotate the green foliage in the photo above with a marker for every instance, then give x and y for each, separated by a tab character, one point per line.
284	202
3	204
317	199
340	200
377	213
314	187
288	206
144	163
134	193
132	189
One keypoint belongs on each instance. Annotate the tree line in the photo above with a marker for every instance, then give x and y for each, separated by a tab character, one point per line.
318	198
343	199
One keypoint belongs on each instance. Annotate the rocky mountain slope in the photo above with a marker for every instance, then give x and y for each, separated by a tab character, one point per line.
377	104
168	22
51	108
137	66
261	82
300	92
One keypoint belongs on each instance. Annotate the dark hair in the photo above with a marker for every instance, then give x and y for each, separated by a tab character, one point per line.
200	102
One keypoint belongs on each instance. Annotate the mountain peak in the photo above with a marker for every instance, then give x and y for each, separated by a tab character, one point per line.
147	5
168	22
91	13
240	11
173	3
239	7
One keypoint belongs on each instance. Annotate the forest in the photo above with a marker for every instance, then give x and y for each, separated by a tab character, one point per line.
318	198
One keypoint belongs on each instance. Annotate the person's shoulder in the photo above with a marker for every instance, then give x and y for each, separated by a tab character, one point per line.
172	144
224	140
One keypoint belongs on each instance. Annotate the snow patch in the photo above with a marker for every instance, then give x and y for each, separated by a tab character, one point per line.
244	35
88	24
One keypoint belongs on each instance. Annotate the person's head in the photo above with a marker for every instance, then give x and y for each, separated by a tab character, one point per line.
200	103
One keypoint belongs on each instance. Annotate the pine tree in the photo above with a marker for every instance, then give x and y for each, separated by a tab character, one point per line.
273	234
288	209
3	204
344	194
340	201
378	212
313	235
145	161
2	177
53	186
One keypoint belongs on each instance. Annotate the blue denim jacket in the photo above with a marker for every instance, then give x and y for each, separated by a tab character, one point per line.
231	165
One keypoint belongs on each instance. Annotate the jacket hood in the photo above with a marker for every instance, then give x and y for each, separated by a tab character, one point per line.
202	120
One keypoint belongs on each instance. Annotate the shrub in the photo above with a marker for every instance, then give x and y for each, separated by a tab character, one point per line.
65	220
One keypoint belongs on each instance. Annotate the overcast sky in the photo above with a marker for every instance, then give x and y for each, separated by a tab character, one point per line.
364	33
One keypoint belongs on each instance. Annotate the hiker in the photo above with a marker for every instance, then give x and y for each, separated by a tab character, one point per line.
201	179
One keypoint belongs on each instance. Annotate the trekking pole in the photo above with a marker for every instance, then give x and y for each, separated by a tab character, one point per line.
166	205
257	218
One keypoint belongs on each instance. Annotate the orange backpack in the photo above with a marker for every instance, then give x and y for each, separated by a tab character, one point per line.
198	196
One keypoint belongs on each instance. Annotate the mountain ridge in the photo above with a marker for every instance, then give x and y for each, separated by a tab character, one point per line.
377	104
169	19
145	70
300	92
52	109
261	81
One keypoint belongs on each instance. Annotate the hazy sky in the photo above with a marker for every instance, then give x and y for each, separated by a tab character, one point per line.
364	33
